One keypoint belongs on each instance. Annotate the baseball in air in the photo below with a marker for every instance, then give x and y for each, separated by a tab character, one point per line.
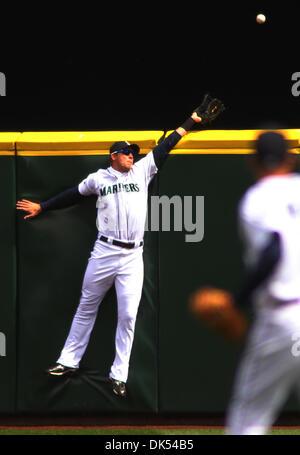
260	18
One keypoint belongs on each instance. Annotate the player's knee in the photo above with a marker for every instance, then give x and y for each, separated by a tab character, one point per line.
127	320
87	308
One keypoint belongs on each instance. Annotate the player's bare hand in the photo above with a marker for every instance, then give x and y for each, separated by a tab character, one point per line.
196	117
32	208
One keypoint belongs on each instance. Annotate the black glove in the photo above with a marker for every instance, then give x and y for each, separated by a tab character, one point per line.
208	110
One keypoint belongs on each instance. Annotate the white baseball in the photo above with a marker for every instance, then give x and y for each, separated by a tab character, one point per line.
260	18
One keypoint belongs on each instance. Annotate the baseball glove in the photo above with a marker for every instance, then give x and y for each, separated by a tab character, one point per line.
216	309
209	109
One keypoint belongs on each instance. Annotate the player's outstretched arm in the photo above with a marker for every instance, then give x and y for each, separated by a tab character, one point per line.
208	111
65	199
161	151
192	120
32	208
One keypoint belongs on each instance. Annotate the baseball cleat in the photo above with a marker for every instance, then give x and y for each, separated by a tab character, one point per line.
119	387
59	370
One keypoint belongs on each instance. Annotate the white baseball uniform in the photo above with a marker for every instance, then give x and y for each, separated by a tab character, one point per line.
269	369
122	210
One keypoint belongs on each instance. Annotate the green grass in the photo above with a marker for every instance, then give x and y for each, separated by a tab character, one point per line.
134	431
285	431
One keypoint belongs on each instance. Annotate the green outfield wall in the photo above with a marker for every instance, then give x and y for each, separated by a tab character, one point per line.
177	365
8	273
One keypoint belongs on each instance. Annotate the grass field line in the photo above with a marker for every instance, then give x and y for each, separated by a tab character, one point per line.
110	427
125	427
116	430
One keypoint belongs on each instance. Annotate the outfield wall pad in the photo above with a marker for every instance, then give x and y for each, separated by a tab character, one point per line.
44	260
8	273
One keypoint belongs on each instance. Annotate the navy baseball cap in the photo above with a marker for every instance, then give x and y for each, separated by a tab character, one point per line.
124	145
271	149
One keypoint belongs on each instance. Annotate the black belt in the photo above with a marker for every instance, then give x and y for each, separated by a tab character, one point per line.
118	243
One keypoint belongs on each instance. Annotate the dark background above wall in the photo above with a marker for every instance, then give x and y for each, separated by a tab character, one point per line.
146	67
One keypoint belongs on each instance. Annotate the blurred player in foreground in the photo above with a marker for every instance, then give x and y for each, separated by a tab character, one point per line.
269	220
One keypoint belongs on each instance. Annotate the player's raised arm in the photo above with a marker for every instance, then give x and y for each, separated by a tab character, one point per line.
208	111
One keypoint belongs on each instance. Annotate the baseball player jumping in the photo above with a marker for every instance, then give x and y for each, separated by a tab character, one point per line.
269	217
117	256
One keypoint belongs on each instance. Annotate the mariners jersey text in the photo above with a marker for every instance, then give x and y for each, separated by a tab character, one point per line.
112	189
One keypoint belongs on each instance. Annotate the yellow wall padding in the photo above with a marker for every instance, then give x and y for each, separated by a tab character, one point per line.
229	141
8	142
98	142
82	143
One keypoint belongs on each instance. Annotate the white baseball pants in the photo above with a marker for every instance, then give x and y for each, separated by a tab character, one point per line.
268	373
108	265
